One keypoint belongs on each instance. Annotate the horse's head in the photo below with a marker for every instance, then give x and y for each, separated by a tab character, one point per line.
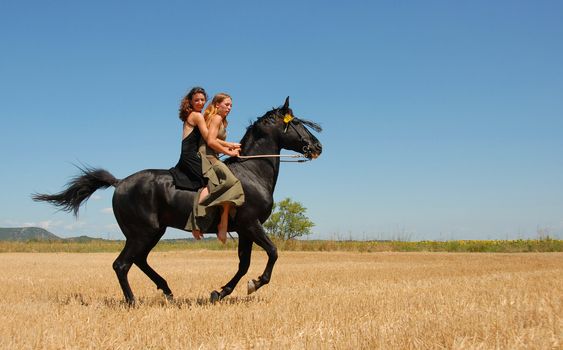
292	132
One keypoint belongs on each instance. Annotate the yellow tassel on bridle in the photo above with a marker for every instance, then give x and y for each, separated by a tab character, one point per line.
287	119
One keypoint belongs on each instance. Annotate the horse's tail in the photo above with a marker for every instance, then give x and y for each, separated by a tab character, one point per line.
79	189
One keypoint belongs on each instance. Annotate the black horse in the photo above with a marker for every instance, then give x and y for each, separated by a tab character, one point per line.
147	202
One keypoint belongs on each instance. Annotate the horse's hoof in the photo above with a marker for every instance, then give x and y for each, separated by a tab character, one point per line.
251	287
169	297
215	296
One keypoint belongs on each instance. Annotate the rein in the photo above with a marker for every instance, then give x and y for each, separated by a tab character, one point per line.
279	156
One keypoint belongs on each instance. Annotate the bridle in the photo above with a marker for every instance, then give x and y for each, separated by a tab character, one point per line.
288	121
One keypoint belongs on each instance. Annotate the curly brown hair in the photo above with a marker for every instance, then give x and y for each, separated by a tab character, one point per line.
186	106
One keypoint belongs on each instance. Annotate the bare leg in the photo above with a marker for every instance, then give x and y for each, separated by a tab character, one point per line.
197	234
223	225
204	193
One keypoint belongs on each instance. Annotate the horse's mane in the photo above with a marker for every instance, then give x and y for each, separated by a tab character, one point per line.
270	117
311	124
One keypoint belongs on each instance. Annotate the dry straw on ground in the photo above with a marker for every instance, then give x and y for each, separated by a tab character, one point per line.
317	300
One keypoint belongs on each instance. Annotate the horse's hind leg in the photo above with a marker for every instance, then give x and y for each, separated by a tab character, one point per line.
244	253
141	262
155	277
121	266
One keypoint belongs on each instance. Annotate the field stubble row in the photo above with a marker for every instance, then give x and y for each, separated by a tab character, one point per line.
315	300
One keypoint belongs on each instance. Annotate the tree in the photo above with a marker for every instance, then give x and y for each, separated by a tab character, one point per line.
288	220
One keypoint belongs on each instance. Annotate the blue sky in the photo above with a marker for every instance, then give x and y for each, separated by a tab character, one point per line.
442	120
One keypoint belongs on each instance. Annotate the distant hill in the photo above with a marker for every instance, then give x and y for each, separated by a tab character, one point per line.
83	239
26	234
38	234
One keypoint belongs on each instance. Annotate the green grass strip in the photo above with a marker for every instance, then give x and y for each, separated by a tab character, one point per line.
460	246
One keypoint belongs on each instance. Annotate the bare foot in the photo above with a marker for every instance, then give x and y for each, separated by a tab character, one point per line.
204	193
197	234
222	233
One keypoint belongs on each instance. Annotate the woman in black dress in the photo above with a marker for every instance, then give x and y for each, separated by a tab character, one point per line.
194	134
194	130
225	191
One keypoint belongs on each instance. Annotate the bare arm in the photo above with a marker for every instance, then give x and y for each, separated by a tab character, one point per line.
214	143
230	145
196	118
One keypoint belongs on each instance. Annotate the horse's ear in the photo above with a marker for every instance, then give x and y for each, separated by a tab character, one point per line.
286	104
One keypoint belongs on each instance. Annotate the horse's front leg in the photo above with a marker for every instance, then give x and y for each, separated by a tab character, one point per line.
262	239
244	252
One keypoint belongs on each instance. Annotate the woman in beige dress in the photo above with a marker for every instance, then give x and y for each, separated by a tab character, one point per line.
225	190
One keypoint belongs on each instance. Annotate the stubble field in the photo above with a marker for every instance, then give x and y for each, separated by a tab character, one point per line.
316	300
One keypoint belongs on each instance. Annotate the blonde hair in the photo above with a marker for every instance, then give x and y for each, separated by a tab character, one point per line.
211	109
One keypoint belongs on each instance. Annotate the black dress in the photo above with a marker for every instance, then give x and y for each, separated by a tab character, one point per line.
187	173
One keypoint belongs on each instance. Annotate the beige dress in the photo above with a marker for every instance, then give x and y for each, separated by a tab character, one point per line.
223	187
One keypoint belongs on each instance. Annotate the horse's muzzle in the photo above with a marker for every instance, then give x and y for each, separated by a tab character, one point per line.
313	151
